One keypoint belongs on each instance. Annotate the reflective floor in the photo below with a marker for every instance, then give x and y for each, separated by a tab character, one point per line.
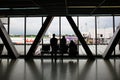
71	69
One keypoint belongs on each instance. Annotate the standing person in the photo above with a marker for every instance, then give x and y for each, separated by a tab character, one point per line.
73	49
53	43
63	46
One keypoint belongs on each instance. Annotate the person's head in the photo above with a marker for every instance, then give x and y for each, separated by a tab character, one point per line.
63	37
53	35
71	41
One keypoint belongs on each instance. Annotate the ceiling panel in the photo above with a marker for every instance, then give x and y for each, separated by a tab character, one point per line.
59	7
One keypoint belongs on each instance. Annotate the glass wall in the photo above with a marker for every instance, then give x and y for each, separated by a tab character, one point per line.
5	22
24	32
53	29
3	49
17	33
87	29
104	32
117	24
33	25
67	31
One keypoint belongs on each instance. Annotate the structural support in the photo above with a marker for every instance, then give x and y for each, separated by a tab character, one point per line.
81	39
12	52
39	36
113	42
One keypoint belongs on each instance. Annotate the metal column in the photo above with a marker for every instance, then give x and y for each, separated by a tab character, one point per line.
113	42
39	36
81	39
12	52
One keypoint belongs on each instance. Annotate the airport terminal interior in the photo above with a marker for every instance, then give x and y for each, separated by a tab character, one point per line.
59	40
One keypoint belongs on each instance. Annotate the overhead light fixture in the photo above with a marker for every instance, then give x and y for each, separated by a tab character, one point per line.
4	8
27	8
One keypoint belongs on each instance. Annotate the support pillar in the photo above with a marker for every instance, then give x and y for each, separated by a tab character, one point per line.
12	52
113	42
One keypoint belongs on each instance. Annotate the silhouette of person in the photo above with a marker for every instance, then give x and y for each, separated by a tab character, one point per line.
63	46
72	49
53	43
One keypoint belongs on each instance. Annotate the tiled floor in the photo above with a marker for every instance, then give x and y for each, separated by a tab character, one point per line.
60	70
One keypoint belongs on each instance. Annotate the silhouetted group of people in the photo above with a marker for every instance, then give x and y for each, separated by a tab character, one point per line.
63	47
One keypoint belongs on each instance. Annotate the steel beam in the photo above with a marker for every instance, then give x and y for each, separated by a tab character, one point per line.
81	39
12	52
113	42
39	36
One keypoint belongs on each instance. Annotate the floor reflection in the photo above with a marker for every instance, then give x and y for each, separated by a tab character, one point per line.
5	75
60	70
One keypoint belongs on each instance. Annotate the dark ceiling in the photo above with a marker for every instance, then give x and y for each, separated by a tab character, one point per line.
59	7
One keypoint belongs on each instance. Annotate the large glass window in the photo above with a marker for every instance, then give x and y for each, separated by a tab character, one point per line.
17	33
3	49
117	24
67	31
104	32
5	22
61	27
52	29
33	25
87	29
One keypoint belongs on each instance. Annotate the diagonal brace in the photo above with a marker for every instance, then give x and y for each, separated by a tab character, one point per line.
81	39
113	42
39	36
12	52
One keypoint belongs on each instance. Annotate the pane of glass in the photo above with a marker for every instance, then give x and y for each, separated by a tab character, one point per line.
5	22
104	32
17	33
117	23
87	29
33	25
67	31
3	50
52	29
